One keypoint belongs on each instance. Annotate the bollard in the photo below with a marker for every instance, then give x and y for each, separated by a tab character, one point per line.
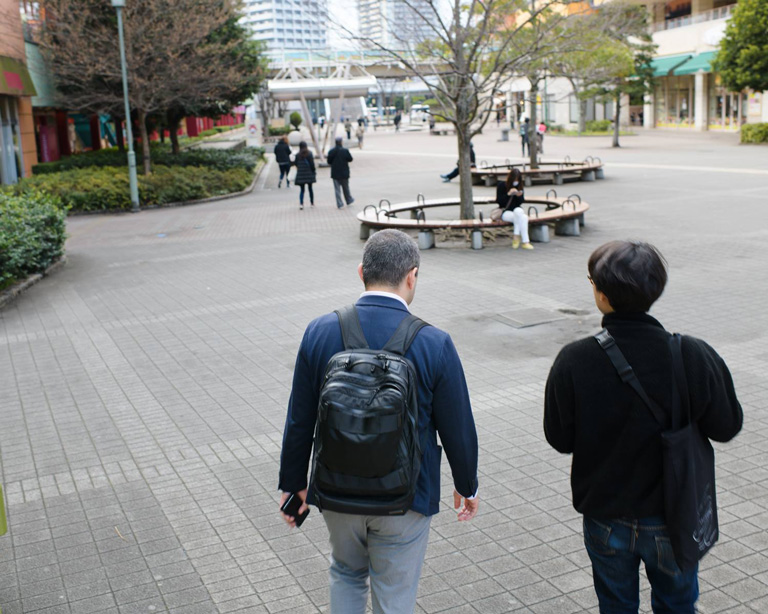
426	239
600	173
539	233
527	181
365	232
505	134
568	228
558	179
477	239
588	176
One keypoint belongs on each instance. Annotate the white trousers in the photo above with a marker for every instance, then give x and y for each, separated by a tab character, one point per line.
520	222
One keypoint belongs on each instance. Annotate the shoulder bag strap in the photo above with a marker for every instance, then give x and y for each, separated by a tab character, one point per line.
404	335
683	404
351	331
627	374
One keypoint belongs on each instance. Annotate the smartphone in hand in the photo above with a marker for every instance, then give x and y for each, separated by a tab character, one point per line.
291	508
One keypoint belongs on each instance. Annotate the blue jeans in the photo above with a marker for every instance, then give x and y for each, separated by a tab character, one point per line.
616	548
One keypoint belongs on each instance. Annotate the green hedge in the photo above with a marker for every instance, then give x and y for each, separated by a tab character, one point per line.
599	125
754	133
107	189
220	159
279	130
32	235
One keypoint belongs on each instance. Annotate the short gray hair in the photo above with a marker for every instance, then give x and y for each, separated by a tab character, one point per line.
388	256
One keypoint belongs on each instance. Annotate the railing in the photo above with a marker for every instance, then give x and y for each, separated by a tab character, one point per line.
724	12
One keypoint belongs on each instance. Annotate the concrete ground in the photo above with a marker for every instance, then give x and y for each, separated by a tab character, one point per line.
143	387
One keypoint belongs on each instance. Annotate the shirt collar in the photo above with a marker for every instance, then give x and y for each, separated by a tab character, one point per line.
397	297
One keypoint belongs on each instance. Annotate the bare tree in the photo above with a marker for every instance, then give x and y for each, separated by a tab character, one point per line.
464	52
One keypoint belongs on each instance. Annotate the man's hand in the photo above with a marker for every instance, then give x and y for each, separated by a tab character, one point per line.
470	506
290	520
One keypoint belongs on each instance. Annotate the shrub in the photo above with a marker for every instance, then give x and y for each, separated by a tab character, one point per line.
278	130
32	234
598	125
107	188
754	133
296	119
220	159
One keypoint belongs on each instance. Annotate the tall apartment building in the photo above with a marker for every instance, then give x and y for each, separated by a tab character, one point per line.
392	23
288	25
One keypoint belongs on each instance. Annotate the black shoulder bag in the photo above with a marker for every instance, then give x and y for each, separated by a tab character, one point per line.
690	505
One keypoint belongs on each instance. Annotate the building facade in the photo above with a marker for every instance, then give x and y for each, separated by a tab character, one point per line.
18	151
287	25
394	24
689	95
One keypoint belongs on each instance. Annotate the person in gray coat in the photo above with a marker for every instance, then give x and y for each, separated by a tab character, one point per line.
339	159
305	173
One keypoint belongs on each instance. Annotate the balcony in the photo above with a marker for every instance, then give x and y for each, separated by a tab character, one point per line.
724	12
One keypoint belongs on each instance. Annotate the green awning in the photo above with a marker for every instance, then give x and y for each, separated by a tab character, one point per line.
14	78
701	62
663	66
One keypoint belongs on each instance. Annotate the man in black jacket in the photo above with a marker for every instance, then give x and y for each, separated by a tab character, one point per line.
616	475
283	159
339	159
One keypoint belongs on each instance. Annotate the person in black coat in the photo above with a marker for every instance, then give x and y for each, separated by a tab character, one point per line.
455	172
305	173
616	475
283	158
339	159
510	196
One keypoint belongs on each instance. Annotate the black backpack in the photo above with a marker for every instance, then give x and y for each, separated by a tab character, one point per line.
367	452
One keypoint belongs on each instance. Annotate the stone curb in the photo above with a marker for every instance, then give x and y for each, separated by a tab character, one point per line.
8	295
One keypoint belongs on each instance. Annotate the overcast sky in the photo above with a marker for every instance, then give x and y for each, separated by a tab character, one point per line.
342	12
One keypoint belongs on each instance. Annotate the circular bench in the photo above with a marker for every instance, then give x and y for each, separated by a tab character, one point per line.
566	215
548	172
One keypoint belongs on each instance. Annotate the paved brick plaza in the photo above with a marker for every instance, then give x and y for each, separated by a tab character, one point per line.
143	387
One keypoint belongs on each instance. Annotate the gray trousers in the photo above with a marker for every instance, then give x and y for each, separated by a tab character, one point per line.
338	186
387	549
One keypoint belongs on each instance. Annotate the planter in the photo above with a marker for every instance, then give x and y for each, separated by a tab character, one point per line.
294	138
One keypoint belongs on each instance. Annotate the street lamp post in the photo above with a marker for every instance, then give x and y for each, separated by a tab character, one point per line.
132	179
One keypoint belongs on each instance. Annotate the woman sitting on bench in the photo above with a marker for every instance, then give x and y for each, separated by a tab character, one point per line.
510	197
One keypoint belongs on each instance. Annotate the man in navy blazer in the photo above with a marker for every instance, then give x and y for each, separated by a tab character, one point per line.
388	550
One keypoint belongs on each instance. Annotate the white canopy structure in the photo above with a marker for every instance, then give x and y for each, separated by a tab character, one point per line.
345	81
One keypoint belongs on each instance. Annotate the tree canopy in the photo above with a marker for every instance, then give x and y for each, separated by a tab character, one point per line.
742	60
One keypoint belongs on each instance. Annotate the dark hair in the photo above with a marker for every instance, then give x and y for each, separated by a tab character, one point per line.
388	256
514	175
303	150
632	274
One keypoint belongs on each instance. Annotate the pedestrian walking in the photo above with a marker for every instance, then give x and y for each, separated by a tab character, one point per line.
612	401
283	159
348	129
541	130
525	134
360	133
397	120
375	415
510	196
339	159
455	172
306	174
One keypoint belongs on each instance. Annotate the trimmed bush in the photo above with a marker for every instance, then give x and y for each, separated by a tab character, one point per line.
296	119
220	159
107	189
754	133
279	130
599	125
32	235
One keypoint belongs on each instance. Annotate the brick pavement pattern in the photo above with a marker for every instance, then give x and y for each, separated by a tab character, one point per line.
143	387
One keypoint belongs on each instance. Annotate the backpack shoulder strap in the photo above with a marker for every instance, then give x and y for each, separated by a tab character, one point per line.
404	335
351	331
682	409
627	374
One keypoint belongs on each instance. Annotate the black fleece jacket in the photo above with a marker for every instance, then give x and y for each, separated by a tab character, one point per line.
614	439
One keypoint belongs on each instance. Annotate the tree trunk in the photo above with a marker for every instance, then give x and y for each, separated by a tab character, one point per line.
119	136
144	141
173	120
465	172
533	139
616	116
582	115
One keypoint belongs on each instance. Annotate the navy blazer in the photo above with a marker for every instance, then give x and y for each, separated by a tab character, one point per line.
443	400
